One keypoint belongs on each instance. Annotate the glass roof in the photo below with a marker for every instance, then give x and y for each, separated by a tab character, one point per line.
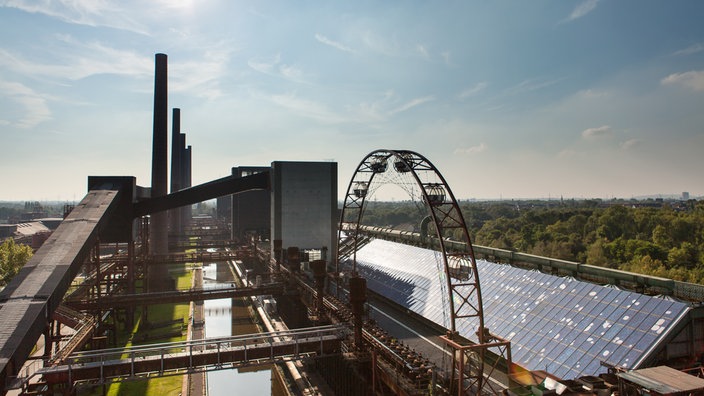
558	324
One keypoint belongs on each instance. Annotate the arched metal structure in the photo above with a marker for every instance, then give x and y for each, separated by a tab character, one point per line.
424	183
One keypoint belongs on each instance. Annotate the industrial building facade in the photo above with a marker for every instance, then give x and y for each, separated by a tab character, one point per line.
250	210
304	204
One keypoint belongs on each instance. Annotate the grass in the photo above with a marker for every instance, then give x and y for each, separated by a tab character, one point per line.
163	386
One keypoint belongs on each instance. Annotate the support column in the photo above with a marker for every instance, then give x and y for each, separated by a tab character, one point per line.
358	296
278	252
129	311
319	273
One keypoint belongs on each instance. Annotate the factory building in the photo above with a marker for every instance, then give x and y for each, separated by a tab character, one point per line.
250	210
304	204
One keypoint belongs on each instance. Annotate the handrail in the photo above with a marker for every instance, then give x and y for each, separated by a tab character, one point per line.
296	333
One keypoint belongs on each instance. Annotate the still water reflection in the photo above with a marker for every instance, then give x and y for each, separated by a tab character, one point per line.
218	323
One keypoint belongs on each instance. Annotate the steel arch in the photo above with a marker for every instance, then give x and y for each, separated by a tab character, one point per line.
460	268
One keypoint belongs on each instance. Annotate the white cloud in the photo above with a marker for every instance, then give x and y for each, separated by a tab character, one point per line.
411	104
692	49
423	51
332	43
481	147
593	133
35	108
582	9
532	85
446	57
380	44
202	76
567	153
471	91
90	13
693	80
274	67
291	72
265	66
83	60
306	108
631	144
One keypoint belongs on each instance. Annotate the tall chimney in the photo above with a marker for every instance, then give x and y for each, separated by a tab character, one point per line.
187	161
159	221
176	169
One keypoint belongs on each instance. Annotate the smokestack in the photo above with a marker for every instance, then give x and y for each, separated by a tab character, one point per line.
186	162
159	221
176	168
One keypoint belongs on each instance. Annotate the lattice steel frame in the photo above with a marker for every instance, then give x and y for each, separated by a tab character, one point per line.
462	280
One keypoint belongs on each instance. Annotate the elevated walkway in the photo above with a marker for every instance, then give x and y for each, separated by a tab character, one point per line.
175	358
178	296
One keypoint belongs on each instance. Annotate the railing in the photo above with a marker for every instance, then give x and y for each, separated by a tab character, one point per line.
126	300
173	358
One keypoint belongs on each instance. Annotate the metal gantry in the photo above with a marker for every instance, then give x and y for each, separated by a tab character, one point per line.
462	292
174	358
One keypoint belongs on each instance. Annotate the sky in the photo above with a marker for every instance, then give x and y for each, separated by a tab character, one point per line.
508	99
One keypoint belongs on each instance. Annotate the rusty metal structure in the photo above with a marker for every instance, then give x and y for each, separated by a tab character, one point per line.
427	187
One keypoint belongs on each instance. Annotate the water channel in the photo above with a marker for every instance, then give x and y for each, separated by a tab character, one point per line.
219	322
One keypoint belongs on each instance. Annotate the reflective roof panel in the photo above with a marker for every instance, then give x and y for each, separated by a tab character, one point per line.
562	324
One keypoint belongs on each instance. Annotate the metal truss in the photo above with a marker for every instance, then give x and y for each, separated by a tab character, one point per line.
425	184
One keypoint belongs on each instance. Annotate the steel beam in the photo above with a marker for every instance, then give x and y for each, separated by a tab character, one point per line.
203	192
29	300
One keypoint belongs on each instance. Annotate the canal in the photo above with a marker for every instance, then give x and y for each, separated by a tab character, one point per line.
226	317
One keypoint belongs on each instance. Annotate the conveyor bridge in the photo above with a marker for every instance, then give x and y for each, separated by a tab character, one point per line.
176	296
175	358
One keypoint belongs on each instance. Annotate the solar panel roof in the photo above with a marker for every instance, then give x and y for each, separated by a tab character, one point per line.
561	325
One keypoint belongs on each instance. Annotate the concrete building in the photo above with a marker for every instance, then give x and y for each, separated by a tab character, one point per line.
304	204
250	210
223	208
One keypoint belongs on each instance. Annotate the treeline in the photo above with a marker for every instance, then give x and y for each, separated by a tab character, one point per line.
665	241
15	210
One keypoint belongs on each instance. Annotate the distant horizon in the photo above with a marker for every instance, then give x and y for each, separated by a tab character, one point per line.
371	199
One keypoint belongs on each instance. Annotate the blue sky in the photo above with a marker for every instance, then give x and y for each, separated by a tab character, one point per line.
511	99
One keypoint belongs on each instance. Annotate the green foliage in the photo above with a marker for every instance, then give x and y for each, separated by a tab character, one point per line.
665	241
12	258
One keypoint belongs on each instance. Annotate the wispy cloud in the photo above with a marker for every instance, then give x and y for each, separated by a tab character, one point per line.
380	44
423	51
76	60
693	80
594	133
582	9
306	108
532	85
692	49
90	13
411	104
84	60
332	43
481	147
471	91
274	67
631	144
35	107
201	75
265	66
567	153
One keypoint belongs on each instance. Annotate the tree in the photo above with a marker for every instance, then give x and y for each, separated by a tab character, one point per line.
12	258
